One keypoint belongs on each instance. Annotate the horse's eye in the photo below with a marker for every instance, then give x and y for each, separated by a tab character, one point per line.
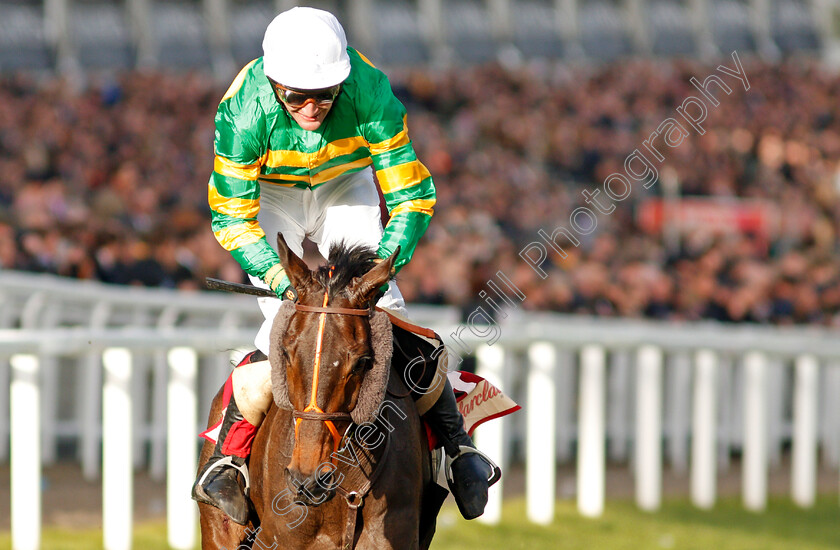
362	364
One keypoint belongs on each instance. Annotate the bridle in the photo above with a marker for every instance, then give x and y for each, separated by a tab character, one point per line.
312	411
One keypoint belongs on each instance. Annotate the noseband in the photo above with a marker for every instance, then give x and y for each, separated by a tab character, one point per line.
312	410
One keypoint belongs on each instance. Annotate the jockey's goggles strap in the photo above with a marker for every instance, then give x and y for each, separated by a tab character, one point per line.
298	98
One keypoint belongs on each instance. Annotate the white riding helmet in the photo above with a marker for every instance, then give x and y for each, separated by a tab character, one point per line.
306	49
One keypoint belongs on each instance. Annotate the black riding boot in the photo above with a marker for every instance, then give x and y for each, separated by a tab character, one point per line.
219	481
469	473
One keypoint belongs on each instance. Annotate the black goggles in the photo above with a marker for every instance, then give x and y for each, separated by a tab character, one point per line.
298	98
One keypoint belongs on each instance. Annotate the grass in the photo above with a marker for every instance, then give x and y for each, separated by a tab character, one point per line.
148	536
677	526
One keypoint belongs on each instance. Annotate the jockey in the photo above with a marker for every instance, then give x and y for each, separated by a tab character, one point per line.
296	133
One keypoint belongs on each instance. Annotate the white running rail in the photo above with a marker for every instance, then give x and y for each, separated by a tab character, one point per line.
624	392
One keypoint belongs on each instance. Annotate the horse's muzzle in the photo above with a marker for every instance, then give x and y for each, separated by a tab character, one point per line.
311	490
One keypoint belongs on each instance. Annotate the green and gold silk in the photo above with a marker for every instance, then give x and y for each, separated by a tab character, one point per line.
257	141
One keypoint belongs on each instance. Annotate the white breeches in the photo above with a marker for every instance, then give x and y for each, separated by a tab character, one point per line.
346	208
252	390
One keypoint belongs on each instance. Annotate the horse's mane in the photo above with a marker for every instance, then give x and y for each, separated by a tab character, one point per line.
346	263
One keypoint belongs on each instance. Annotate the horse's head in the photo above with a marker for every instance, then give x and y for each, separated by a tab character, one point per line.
330	357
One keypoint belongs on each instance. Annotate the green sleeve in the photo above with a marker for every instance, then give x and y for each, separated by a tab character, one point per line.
234	192
406	184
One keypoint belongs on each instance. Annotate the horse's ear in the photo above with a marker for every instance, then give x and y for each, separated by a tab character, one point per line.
296	269
363	288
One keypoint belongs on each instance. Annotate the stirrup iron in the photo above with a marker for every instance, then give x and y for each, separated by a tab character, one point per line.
228	461
465	449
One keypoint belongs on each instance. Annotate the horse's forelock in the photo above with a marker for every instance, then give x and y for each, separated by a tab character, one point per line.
346	262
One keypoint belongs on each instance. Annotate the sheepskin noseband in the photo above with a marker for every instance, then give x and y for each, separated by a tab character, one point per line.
276	356
374	383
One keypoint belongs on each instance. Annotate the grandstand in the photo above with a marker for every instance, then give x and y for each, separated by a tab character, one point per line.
69	35
505	169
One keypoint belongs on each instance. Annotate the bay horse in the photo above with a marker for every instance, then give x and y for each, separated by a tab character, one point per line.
337	462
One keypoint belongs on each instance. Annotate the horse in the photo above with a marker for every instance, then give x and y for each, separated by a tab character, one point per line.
338	462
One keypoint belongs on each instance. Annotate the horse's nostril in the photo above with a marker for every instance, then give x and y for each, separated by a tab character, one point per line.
325	480
295	480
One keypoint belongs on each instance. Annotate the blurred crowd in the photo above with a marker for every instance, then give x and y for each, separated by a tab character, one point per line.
109	182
